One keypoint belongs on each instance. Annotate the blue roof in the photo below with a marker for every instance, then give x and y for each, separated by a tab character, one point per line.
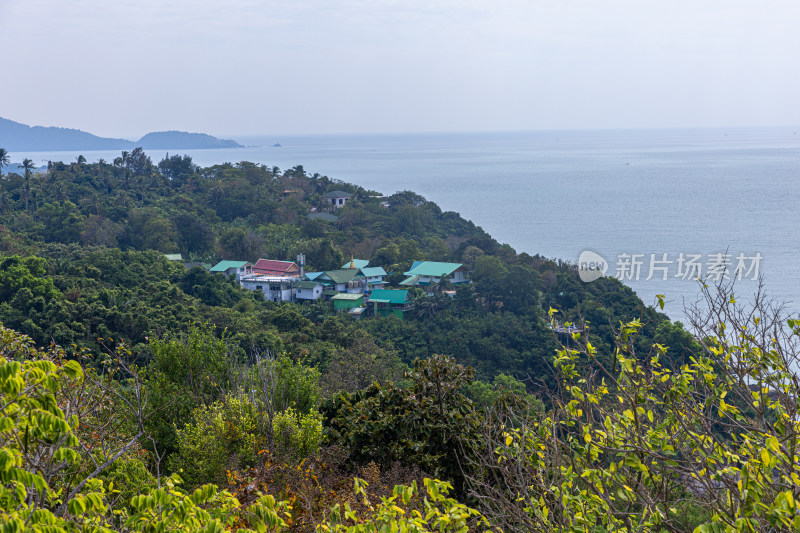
313	275
222	266
358	263
370	272
433	268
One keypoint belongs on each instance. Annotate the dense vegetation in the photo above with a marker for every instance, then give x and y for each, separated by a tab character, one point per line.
157	379
85	237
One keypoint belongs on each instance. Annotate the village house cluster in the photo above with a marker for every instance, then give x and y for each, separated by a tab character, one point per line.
355	288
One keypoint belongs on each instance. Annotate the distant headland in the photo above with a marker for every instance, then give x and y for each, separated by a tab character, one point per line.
15	136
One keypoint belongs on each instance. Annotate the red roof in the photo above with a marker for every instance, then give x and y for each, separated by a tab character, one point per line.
270	267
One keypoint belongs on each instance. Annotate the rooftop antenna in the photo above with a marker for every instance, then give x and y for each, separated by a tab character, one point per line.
301	260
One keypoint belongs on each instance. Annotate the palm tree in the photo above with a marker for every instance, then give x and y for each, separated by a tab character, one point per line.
4	159
27	165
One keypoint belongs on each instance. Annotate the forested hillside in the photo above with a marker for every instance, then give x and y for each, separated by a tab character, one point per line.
86	237
158	375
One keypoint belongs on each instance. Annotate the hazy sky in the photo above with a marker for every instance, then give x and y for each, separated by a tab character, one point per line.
246	67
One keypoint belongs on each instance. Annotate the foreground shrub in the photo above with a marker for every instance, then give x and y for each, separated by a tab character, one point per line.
224	436
710	445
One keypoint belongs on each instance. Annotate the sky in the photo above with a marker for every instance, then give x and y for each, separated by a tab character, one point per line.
122	68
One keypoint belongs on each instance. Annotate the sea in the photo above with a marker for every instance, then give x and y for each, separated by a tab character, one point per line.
655	208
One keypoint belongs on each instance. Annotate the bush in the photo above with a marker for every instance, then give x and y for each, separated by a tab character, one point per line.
228	435
297	435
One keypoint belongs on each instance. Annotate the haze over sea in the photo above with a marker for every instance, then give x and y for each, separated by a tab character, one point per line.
558	193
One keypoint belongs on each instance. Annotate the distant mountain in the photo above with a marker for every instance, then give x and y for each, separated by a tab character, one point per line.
18	137
21	137
180	140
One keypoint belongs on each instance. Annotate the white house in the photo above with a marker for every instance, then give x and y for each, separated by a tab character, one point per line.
274	288
307	290
373	276
337	198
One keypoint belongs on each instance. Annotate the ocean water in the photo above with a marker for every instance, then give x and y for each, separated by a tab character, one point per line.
707	197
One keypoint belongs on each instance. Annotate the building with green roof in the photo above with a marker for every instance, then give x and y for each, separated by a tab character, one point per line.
431	272
344	301
373	276
389	302
343	280
233	268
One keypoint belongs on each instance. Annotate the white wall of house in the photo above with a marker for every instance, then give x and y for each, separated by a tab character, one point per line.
456	277
308	294
274	289
239	273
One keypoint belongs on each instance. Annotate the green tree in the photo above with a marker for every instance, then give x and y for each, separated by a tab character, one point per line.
195	235
4	159
427	423
28	166
177	167
138	162
187	371
62	222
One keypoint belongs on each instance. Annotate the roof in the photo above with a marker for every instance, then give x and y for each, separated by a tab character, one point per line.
433	268
348	297
271	265
174	257
306	284
415	264
357	263
357	310
410	281
330	292
313	275
389	295
222	266
373	271
337	194
341	276
327	217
